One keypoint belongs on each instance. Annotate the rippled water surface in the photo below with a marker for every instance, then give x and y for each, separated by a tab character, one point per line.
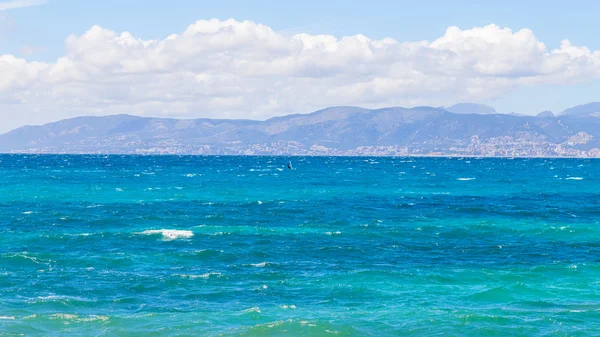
242	246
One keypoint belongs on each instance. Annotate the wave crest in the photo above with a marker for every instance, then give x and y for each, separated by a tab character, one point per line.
169	234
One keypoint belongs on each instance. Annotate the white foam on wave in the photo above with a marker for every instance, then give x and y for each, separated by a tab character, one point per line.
219	233
21	255
60	298
333	233
307	323
465	179
260	265
7	318
169	234
253	309
203	276
64	316
208	250
574	178
72	317
28	212
79	234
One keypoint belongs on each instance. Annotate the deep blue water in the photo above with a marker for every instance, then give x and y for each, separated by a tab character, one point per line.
242	246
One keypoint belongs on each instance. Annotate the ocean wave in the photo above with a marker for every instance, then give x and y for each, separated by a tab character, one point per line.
169	234
307	323
208	251
72	317
218	230
95	206
253	309
465	179
261	264
219	233
574	178
7	318
23	255
78	234
295	327
60	298
203	276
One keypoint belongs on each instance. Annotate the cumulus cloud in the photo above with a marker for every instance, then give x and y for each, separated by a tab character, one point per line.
228	68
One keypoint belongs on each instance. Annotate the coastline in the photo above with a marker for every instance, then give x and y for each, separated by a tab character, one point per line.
447	156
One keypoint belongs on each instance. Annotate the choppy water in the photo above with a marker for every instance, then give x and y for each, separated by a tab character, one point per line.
241	246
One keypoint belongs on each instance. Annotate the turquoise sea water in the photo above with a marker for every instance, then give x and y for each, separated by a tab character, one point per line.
242	246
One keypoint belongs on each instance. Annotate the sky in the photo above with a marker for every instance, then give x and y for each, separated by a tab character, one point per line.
259	59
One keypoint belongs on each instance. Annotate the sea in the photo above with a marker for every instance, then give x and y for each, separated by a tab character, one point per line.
94	245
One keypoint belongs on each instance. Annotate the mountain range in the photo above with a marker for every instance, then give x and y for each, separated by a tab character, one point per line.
462	129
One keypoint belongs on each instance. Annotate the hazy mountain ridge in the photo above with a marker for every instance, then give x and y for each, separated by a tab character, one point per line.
477	130
590	109
471	108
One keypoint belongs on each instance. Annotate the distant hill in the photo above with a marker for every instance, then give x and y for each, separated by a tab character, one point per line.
471	108
331	131
590	109
546	114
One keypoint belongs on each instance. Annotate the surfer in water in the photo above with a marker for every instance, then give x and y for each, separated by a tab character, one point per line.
289	165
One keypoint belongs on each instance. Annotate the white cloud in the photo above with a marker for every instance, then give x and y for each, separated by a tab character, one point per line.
247	70
6	5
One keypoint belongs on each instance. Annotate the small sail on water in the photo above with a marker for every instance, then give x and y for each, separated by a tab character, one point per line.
289	165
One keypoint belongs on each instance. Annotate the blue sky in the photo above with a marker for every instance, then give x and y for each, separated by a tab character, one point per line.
47	26
38	33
